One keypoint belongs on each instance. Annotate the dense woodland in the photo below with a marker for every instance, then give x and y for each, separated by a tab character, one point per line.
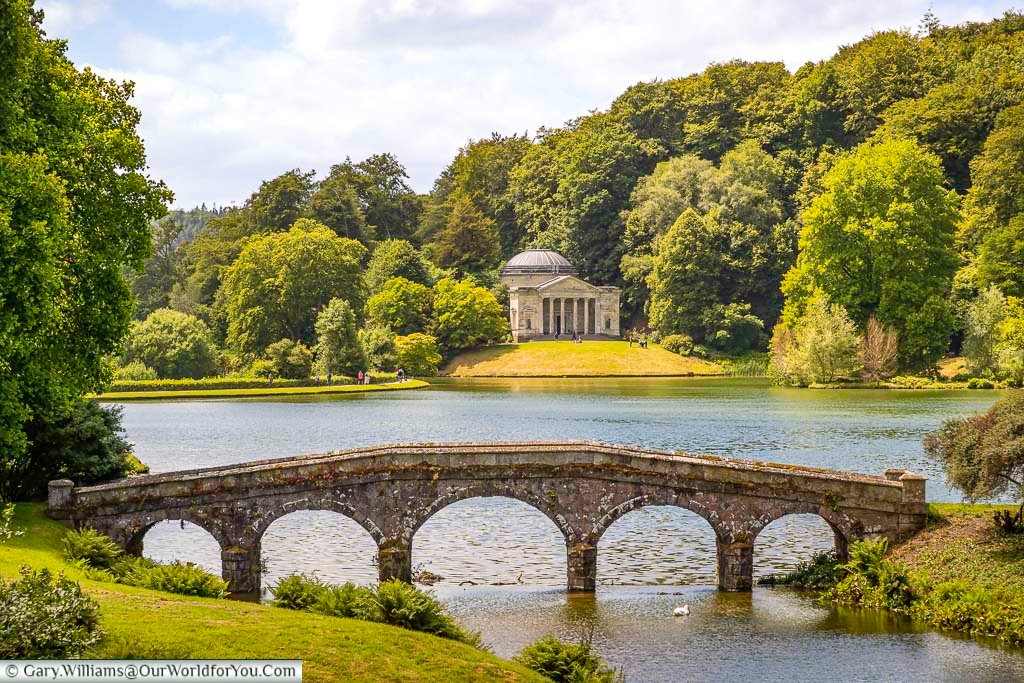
884	184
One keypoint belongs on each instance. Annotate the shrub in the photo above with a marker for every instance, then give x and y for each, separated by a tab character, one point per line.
822	571
401	604
872	580
92	548
208	383
980	383
402	305
681	344
378	342
820	347
982	325
136	370
84	445
45	617
174	344
564	662
182	578
121	647
289	359
878	352
417	353
349	601
732	328
7	530
297	591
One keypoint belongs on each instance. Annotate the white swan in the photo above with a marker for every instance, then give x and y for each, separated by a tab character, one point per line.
681	611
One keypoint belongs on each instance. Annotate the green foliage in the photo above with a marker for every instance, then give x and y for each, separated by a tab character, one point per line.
821	572
1010	350
135	371
1001	257
997	175
7	530
85	445
732	328
75	212
681	344
133	648
254	382
417	354
176	345
394	602
469	241
183	579
883	214
91	547
336	204
465	316
982	330
279	282
565	662
338	350
822	347
396	258
389	205
46	617
378	342
402	305
290	359
983	455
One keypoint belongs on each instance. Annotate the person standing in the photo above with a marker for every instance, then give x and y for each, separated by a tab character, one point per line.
359	377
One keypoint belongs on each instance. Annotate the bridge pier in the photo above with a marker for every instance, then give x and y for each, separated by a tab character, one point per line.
735	565
240	567
581	567
394	561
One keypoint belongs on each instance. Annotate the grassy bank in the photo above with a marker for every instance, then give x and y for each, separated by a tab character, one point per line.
332	649
565	359
163	395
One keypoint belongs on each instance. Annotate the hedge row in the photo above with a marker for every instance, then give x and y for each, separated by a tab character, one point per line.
209	383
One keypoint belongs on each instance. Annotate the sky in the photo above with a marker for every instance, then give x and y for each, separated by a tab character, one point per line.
233	92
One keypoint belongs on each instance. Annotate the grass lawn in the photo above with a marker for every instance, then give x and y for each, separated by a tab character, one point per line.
332	649
162	395
565	359
961	543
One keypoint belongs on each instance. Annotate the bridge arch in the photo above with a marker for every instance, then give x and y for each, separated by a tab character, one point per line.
545	507
602	524
267	515
130	534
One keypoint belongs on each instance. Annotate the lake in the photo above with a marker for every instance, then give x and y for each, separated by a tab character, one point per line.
503	562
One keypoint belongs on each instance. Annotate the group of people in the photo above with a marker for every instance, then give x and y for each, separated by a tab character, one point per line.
577	338
641	342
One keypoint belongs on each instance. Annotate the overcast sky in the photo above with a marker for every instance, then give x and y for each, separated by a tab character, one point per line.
233	92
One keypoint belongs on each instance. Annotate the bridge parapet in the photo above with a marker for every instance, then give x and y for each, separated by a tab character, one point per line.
583	487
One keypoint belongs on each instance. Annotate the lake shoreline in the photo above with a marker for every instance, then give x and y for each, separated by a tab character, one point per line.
260	392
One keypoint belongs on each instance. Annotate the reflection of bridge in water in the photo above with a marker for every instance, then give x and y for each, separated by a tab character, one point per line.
582	487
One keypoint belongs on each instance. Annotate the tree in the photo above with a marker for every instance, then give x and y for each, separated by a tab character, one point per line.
338	350
731	328
389	205
1010	350
176	345
652	111
879	240
465	316
378	342
84	444
152	287
878	352
1000	259
821	347
983	455
481	171
417	354
281	201
570	188
75	211
402	305
396	258
279	282
469	241
289	359
335	203
982	330
997	175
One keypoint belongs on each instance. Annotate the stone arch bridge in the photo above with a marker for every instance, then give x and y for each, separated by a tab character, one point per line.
583	487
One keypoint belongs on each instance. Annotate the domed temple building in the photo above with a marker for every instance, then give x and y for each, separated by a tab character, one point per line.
546	298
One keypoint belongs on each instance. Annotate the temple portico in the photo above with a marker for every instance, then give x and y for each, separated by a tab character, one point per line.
547	299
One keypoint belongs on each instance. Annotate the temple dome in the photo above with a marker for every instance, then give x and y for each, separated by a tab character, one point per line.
538	261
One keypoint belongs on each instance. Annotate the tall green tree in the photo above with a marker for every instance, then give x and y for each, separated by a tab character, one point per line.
279	282
75	210
997	173
469	241
336	204
174	344
338	350
390	207
396	258
879	240
402	305
466	315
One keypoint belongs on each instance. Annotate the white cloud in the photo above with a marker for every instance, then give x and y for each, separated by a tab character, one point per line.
420	77
64	16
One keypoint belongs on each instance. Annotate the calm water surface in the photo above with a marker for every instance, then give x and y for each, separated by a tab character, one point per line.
503	562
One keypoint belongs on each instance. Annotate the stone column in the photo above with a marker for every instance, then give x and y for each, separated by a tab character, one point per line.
551	315
394	560
59	498
586	316
735	565
561	330
581	567
240	567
